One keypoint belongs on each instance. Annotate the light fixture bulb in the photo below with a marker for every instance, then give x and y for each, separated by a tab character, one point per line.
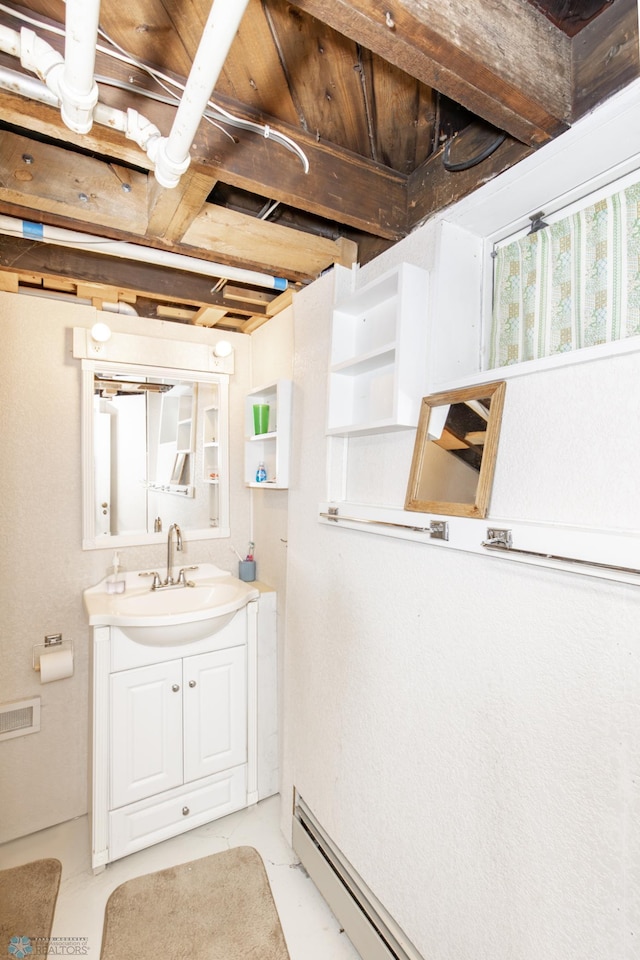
100	332
222	349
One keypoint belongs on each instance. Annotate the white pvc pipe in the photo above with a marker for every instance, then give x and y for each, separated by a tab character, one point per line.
131	251
108	306
171	155
71	80
72	86
27	87
78	88
9	41
133	124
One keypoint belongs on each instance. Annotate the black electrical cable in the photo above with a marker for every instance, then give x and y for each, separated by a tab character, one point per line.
467	164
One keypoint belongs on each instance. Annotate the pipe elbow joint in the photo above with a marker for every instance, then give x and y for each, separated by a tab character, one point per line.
142	131
167	170
39	57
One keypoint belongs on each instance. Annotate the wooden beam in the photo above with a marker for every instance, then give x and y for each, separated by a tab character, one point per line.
55	180
274	248
280	303
208	316
505	62
26	257
348	252
100	292
52	180
253	323
176	313
171	212
340	186
9	282
605	55
258	298
432	188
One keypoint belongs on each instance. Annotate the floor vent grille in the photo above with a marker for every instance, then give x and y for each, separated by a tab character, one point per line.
19	718
371	929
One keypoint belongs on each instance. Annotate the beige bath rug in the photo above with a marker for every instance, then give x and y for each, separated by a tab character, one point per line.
28	897
217	908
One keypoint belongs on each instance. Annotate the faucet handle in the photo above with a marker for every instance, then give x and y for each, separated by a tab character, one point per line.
157	582
182	578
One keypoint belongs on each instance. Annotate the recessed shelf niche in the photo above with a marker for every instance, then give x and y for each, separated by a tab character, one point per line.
378	368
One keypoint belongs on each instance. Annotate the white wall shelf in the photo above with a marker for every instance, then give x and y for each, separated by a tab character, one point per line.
272	448
378	367
211	457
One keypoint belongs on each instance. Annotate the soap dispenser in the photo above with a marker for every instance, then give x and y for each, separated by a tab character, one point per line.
116	580
261	473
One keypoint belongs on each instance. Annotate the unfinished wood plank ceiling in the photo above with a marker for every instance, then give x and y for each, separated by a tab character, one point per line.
399	109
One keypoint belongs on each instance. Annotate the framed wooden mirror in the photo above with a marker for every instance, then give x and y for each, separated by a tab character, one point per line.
455	451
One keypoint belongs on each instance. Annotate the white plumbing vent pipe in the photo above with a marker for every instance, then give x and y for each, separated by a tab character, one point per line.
78	88
13	227
171	155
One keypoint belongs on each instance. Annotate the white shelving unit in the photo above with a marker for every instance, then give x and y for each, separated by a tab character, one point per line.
184	431
272	448
176	442
378	367
211	465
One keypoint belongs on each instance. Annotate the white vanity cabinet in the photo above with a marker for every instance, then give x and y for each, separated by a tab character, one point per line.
175	733
191	721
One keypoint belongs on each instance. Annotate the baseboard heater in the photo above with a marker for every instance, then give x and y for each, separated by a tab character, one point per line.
371	929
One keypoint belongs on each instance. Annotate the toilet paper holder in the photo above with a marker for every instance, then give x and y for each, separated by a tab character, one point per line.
52	641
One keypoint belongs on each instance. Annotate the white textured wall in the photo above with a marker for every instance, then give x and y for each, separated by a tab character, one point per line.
467	730
43	570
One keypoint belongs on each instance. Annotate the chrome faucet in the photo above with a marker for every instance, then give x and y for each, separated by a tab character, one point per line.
169	581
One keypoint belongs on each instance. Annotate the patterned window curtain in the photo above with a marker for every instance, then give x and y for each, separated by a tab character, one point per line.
573	284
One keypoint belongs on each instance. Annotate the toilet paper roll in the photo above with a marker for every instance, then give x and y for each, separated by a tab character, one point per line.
56	665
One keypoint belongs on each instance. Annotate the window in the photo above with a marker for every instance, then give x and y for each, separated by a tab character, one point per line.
574	283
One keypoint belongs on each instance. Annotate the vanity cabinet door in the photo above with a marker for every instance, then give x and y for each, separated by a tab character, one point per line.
146	731
215	712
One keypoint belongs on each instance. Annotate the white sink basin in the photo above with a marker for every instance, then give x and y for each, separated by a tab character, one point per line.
171	615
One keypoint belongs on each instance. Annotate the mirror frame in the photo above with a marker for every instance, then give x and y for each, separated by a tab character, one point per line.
89	368
477	509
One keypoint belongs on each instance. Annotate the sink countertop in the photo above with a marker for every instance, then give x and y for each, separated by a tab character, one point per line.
173	602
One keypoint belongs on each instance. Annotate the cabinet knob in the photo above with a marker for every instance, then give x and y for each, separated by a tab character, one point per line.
192	683
175	687
185	811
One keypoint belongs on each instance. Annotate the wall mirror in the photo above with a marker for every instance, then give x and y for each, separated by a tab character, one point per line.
455	451
155	452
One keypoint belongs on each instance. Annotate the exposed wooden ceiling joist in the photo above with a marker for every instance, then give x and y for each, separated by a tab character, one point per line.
504	62
340	186
31	261
96	196
370	94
